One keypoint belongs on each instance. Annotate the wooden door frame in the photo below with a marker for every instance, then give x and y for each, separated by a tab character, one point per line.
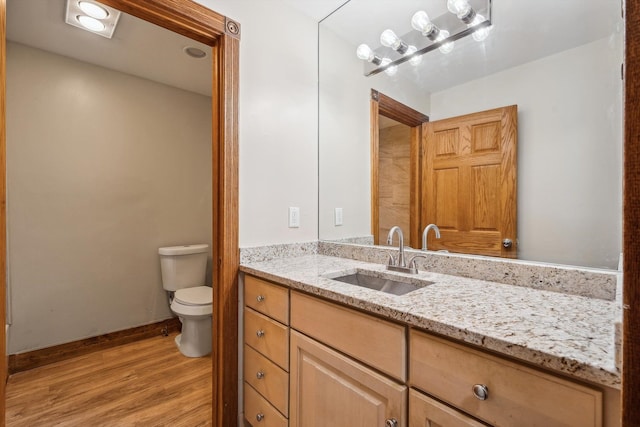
381	104
631	215
199	23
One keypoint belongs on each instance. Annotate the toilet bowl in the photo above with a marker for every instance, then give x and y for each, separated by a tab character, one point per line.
194	307
183	277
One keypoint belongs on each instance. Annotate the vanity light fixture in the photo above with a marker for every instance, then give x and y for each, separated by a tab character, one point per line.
467	17
92	16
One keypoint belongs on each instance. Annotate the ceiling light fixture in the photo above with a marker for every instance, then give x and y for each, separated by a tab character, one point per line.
195	52
92	16
467	17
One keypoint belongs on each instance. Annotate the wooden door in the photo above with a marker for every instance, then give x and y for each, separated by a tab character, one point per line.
330	389
427	412
469	182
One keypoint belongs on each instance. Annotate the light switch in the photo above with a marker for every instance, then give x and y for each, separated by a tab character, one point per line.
294	217
337	216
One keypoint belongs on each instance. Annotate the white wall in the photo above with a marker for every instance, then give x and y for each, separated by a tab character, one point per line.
278	120
569	149
344	136
102	169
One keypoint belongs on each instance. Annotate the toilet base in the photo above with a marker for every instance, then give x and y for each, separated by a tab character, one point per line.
195	339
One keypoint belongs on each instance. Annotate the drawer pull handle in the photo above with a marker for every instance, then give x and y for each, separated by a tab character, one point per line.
260	375
260	416
260	333
480	391
260	298
391	422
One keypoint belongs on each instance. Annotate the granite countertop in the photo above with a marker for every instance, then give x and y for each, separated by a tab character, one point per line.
570	334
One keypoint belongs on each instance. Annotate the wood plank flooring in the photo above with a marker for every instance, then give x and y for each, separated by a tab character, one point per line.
146	383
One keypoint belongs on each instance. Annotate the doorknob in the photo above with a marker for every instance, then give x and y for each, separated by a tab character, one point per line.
507	243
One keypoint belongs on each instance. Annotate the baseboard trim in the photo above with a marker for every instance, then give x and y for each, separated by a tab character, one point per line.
33	359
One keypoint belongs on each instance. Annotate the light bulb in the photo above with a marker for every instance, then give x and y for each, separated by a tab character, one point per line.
447	47
421	22
414	60
460	8
389	39
93	10
482	33
391	71
90	23
365	53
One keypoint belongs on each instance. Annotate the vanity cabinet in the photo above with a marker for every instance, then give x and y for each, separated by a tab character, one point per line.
330	382
309	362
266	353
498	391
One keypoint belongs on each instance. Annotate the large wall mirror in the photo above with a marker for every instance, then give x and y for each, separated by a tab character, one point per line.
559	62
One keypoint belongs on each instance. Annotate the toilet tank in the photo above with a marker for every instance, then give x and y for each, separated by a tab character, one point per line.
183	266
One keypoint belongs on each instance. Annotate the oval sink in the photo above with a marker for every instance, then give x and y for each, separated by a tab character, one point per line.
383	284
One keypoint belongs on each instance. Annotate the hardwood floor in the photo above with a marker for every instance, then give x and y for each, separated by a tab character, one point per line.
145	383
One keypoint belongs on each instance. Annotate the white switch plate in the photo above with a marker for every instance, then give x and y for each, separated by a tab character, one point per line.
337	216
294	217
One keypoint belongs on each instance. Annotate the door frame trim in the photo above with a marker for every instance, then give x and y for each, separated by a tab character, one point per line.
197	22
383	105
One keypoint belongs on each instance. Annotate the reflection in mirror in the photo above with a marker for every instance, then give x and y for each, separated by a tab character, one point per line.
559	62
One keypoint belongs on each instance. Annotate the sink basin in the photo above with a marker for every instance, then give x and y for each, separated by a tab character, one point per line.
383	284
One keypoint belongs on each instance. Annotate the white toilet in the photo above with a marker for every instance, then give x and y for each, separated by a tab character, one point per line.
184	269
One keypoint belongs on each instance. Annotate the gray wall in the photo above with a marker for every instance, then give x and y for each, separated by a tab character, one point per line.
102	169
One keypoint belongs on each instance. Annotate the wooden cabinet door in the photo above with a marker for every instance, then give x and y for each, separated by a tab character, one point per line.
328	389
469	182
426	412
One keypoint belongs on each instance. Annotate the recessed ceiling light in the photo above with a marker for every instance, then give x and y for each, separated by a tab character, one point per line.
93	10
92	16
195	52
90	23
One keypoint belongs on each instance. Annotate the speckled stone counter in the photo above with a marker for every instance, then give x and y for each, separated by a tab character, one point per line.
567	333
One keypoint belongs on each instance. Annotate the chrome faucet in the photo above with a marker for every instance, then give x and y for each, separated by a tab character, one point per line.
426	231
395	229
400	264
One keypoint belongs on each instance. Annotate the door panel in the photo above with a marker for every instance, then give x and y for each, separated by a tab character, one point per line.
329	389
469	182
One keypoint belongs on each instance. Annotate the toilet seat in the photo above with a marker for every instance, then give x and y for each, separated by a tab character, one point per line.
198	295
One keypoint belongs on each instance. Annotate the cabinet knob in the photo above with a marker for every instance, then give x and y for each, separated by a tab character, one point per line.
480	391
260	416
260	333
260	375
260	298
391	422
507	243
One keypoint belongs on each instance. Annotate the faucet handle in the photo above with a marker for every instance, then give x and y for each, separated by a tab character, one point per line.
412	261
392	260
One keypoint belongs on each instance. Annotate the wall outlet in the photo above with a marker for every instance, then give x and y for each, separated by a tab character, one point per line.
294	217
337	216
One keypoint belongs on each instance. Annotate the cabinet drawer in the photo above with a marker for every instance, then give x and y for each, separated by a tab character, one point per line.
374	341
267	336
259	412
267	298
267	378
426	412
517	395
